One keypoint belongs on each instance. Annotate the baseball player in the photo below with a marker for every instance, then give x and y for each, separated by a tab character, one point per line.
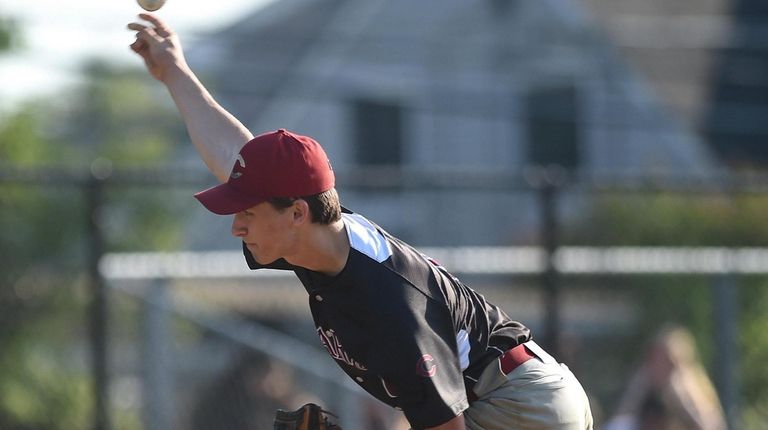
400	325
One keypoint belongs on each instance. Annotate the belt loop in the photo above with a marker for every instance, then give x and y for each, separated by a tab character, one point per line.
539	352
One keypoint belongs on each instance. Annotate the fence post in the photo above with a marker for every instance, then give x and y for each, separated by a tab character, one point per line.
726	336
156	358
549	181
98	308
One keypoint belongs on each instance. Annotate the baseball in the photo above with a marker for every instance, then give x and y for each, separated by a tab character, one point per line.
151	5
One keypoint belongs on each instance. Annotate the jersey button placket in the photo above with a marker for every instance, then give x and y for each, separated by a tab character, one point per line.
318	297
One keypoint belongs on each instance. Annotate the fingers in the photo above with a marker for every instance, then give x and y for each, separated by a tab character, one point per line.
136	26
160	26
145	33
139	46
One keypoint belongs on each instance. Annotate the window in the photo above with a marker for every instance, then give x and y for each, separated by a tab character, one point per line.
377	132
553	130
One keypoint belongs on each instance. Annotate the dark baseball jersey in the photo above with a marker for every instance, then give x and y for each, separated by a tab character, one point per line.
407	331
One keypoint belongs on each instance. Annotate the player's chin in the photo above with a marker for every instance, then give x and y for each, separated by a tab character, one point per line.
258	255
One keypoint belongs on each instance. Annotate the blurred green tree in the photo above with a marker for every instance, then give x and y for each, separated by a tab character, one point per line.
111	121
7	31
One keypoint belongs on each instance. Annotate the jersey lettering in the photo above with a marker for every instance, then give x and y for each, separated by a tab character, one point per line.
333	345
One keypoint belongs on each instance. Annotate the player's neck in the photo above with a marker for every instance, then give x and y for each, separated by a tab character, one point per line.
324	249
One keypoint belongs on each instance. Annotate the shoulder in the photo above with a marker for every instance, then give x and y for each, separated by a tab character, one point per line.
392	260
366	237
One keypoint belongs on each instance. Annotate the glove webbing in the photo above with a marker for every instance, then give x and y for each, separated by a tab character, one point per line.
308	417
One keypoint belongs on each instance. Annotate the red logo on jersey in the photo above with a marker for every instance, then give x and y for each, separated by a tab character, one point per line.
425	366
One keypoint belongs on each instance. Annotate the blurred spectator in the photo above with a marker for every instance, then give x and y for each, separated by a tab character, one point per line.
248	394
670	390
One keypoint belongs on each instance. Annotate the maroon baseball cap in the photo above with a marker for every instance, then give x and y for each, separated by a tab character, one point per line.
276	164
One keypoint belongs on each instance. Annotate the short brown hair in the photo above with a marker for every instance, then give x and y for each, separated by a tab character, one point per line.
324	207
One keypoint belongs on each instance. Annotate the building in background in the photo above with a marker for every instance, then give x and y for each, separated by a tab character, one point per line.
451	88
706	60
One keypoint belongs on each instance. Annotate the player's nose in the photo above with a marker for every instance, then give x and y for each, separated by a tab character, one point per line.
238	226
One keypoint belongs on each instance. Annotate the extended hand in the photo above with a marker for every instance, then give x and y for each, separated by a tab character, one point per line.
158	45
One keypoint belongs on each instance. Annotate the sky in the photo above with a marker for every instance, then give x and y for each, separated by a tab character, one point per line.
58	35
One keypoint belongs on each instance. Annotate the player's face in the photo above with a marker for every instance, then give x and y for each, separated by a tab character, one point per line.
267	232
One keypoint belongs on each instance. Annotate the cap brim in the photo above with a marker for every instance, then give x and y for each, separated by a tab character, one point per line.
223	200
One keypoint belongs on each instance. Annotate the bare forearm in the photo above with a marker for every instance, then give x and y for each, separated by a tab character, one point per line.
215	133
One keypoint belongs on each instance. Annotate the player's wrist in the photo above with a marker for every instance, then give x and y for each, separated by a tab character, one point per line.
175	72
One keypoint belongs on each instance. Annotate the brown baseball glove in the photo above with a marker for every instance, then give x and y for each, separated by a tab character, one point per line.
308	417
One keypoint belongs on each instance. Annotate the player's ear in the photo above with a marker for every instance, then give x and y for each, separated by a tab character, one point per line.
300	211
